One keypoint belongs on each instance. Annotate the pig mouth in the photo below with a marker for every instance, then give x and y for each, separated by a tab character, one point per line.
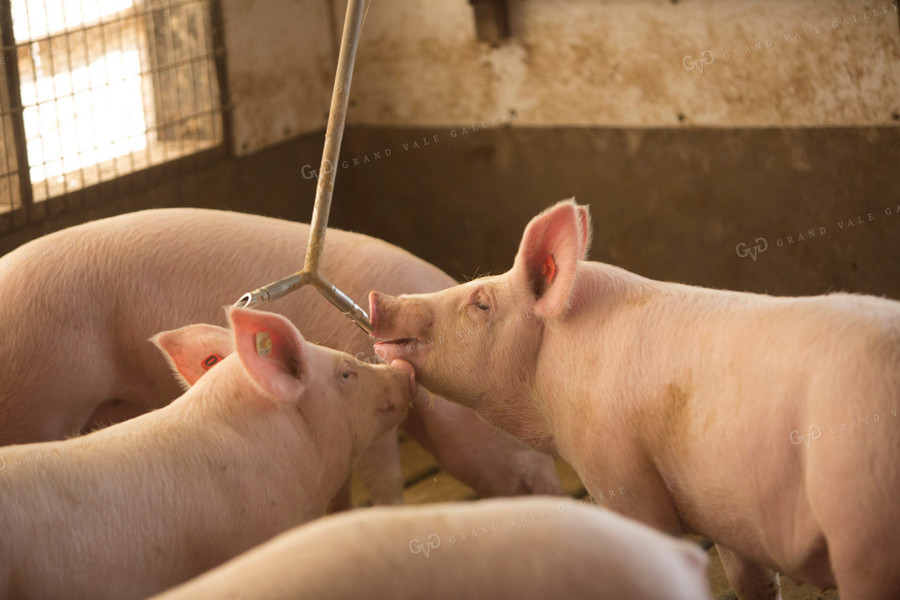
397	342
397	348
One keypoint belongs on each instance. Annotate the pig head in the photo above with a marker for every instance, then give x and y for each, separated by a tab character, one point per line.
339	398
479	343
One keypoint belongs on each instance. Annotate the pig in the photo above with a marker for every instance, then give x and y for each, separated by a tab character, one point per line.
258	445
715	411
79	305
536	547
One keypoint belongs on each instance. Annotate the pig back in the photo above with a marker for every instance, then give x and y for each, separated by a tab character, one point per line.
82	302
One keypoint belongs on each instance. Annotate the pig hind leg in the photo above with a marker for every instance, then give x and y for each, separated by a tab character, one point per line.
748	580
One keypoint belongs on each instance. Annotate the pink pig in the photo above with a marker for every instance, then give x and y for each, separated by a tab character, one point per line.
716	411
79	304
260	444
519	548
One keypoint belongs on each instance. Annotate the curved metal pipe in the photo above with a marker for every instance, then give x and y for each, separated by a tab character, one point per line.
334	134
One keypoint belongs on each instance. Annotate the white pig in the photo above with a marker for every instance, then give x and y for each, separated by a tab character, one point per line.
260	444
716	411
79	304
518	548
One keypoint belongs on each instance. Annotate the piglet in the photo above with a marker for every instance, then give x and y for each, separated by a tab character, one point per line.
716	412
522	548
259	444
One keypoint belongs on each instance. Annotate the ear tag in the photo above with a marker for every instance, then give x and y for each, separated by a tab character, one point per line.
548	269
210	361
263	343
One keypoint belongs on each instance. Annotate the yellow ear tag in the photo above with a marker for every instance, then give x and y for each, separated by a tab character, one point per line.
263	343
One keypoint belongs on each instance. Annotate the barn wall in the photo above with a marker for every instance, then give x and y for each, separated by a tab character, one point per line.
281	62
823	205
644	63
454	144
607	63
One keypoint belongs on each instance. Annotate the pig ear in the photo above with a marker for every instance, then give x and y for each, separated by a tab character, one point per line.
272	351
585	231
551	247
193	350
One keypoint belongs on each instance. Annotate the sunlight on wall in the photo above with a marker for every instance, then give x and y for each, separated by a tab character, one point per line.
78	116
34	19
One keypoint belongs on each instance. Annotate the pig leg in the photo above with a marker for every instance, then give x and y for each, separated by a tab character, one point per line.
854	500
864	573
748	580
490	461
343	500
380	470
860	521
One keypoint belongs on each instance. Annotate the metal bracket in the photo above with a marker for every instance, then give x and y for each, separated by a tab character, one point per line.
491	20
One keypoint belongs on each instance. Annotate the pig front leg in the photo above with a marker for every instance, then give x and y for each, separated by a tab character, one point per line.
748	580
488	460
380	469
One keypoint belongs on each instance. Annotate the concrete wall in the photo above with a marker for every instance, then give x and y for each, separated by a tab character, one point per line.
669	204
609	63
281	62
680	205
633	63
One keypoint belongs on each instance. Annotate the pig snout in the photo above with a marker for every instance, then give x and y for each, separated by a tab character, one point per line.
403	328
410	373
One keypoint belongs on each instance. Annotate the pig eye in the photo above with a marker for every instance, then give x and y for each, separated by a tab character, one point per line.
481	305
346	375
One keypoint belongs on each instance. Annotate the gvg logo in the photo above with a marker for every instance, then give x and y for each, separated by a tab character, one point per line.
707	57
309	173
743	251
815	432
432	542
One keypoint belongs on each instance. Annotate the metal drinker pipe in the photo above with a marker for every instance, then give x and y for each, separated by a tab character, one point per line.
333	135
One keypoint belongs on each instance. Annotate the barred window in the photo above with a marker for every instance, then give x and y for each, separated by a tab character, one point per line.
93	89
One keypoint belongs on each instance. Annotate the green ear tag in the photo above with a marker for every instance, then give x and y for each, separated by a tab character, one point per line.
263	343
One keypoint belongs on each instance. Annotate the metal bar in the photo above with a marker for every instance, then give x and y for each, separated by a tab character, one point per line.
340	99
274	290
325	188
16	110
343	302
217	26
